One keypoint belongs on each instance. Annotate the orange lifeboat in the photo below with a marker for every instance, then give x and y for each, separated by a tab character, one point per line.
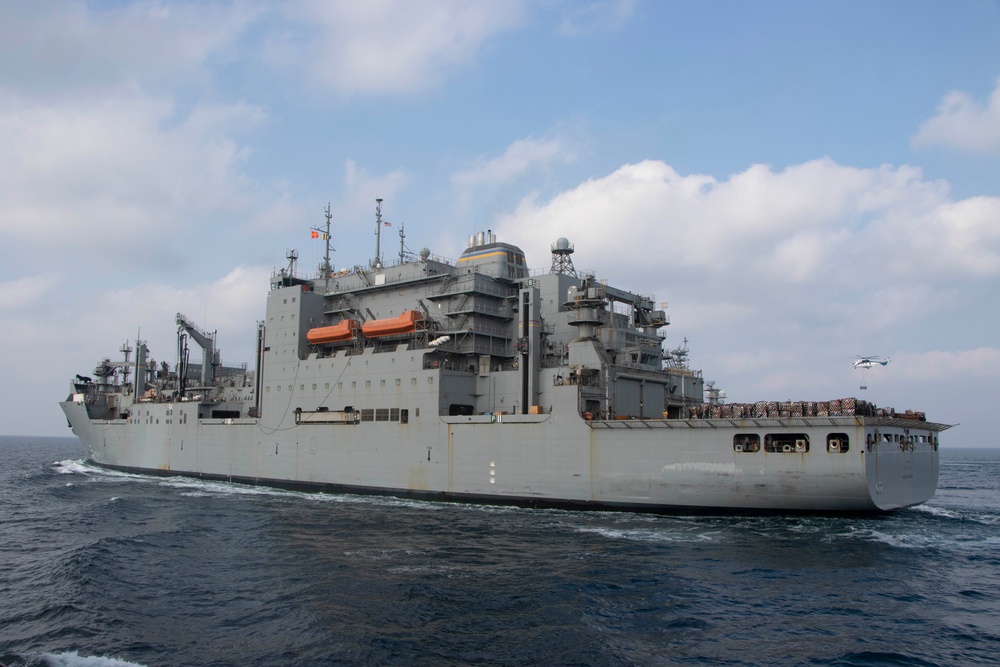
335	334
405	323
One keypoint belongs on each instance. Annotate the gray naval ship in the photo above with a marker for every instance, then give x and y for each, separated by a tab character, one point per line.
478	380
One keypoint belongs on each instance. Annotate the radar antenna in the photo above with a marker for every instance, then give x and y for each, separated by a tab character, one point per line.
562	263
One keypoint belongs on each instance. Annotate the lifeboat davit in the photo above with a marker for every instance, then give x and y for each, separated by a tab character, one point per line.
405	323
335	334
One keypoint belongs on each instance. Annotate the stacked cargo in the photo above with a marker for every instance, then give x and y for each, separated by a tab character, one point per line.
839	407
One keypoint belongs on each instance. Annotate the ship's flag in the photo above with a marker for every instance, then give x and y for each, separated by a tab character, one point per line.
387	223
318	235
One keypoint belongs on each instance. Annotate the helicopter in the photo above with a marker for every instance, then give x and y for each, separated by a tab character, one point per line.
870	361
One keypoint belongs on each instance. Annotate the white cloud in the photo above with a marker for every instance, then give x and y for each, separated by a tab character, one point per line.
518	158
231	304
778	277
587	18
386	46
56	48
20	321
817	221
97	177
963	234
964	124
980	362
361	189
22	292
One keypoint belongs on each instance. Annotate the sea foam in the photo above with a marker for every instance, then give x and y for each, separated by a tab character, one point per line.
74	659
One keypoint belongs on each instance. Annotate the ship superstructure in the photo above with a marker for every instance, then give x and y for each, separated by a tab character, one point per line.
479	380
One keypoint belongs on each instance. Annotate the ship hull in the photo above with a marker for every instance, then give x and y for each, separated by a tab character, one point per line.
481	381
541	460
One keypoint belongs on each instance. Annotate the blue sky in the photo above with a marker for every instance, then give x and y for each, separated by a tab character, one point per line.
800	182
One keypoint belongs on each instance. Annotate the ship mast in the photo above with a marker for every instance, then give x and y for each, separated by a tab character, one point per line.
326	267
378	234
326	258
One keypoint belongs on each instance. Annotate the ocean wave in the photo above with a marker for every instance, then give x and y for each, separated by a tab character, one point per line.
207	488
938	511
87	469
977	516
900	541
73	467
648	535
204	488
867	658
448	571
74	659
966	540
380	553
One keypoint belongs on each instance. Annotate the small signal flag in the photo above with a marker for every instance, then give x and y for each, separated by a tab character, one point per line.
315	234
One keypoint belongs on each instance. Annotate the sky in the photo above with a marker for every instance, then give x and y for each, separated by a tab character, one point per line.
800	183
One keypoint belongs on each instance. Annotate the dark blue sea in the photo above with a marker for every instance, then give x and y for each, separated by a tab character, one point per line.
103	569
